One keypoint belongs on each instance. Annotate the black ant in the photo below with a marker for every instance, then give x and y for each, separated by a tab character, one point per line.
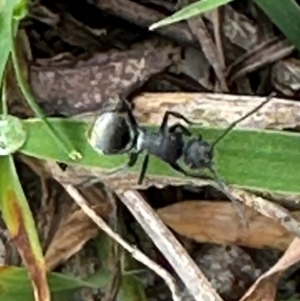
114	133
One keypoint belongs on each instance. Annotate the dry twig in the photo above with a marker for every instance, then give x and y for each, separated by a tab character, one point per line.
196	282
137	254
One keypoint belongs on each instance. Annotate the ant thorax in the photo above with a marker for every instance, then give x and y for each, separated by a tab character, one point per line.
110	134
140	140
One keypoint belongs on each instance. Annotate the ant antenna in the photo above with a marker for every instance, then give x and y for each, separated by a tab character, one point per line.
242	118
222	187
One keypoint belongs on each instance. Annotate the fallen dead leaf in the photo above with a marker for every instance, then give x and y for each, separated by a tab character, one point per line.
76	230
70	238
264	288
218	222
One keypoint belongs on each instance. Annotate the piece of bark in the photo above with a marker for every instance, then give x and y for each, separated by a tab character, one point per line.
100	81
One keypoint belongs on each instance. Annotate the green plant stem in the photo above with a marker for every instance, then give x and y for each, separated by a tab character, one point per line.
3	96
66	145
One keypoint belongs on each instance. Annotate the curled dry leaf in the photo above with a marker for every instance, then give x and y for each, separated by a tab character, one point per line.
218	222
265	53
285	76
70	238
264	287
199	29
240	30
75	231
135	252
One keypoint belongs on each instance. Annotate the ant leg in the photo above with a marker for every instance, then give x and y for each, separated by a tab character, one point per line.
133	123
131	162
178	168
177	115
144	169
129	113
221	186
183	129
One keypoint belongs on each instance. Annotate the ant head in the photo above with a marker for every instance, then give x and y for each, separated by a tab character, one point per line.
110	134
198	153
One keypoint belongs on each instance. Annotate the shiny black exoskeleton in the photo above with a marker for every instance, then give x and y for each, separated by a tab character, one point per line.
168	144
111	134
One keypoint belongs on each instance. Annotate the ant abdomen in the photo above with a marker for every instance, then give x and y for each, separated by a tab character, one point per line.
111	134
198	153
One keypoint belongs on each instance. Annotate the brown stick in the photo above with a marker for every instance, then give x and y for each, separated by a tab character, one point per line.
185	267
218	110
135	253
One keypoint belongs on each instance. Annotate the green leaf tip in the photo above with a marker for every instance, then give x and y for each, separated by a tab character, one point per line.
190	11
20	10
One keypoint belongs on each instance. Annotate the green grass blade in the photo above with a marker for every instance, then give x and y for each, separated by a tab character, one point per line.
11	13
286	15
64	144
189	11
19	221
248	158
15	284
131	287
6	16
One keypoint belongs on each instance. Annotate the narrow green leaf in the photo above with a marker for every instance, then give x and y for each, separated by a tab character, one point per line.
63	142
15	284
190	11
19	221
248	158
100	279
286	15
131	289
3	100
13	203
10	14
6	16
